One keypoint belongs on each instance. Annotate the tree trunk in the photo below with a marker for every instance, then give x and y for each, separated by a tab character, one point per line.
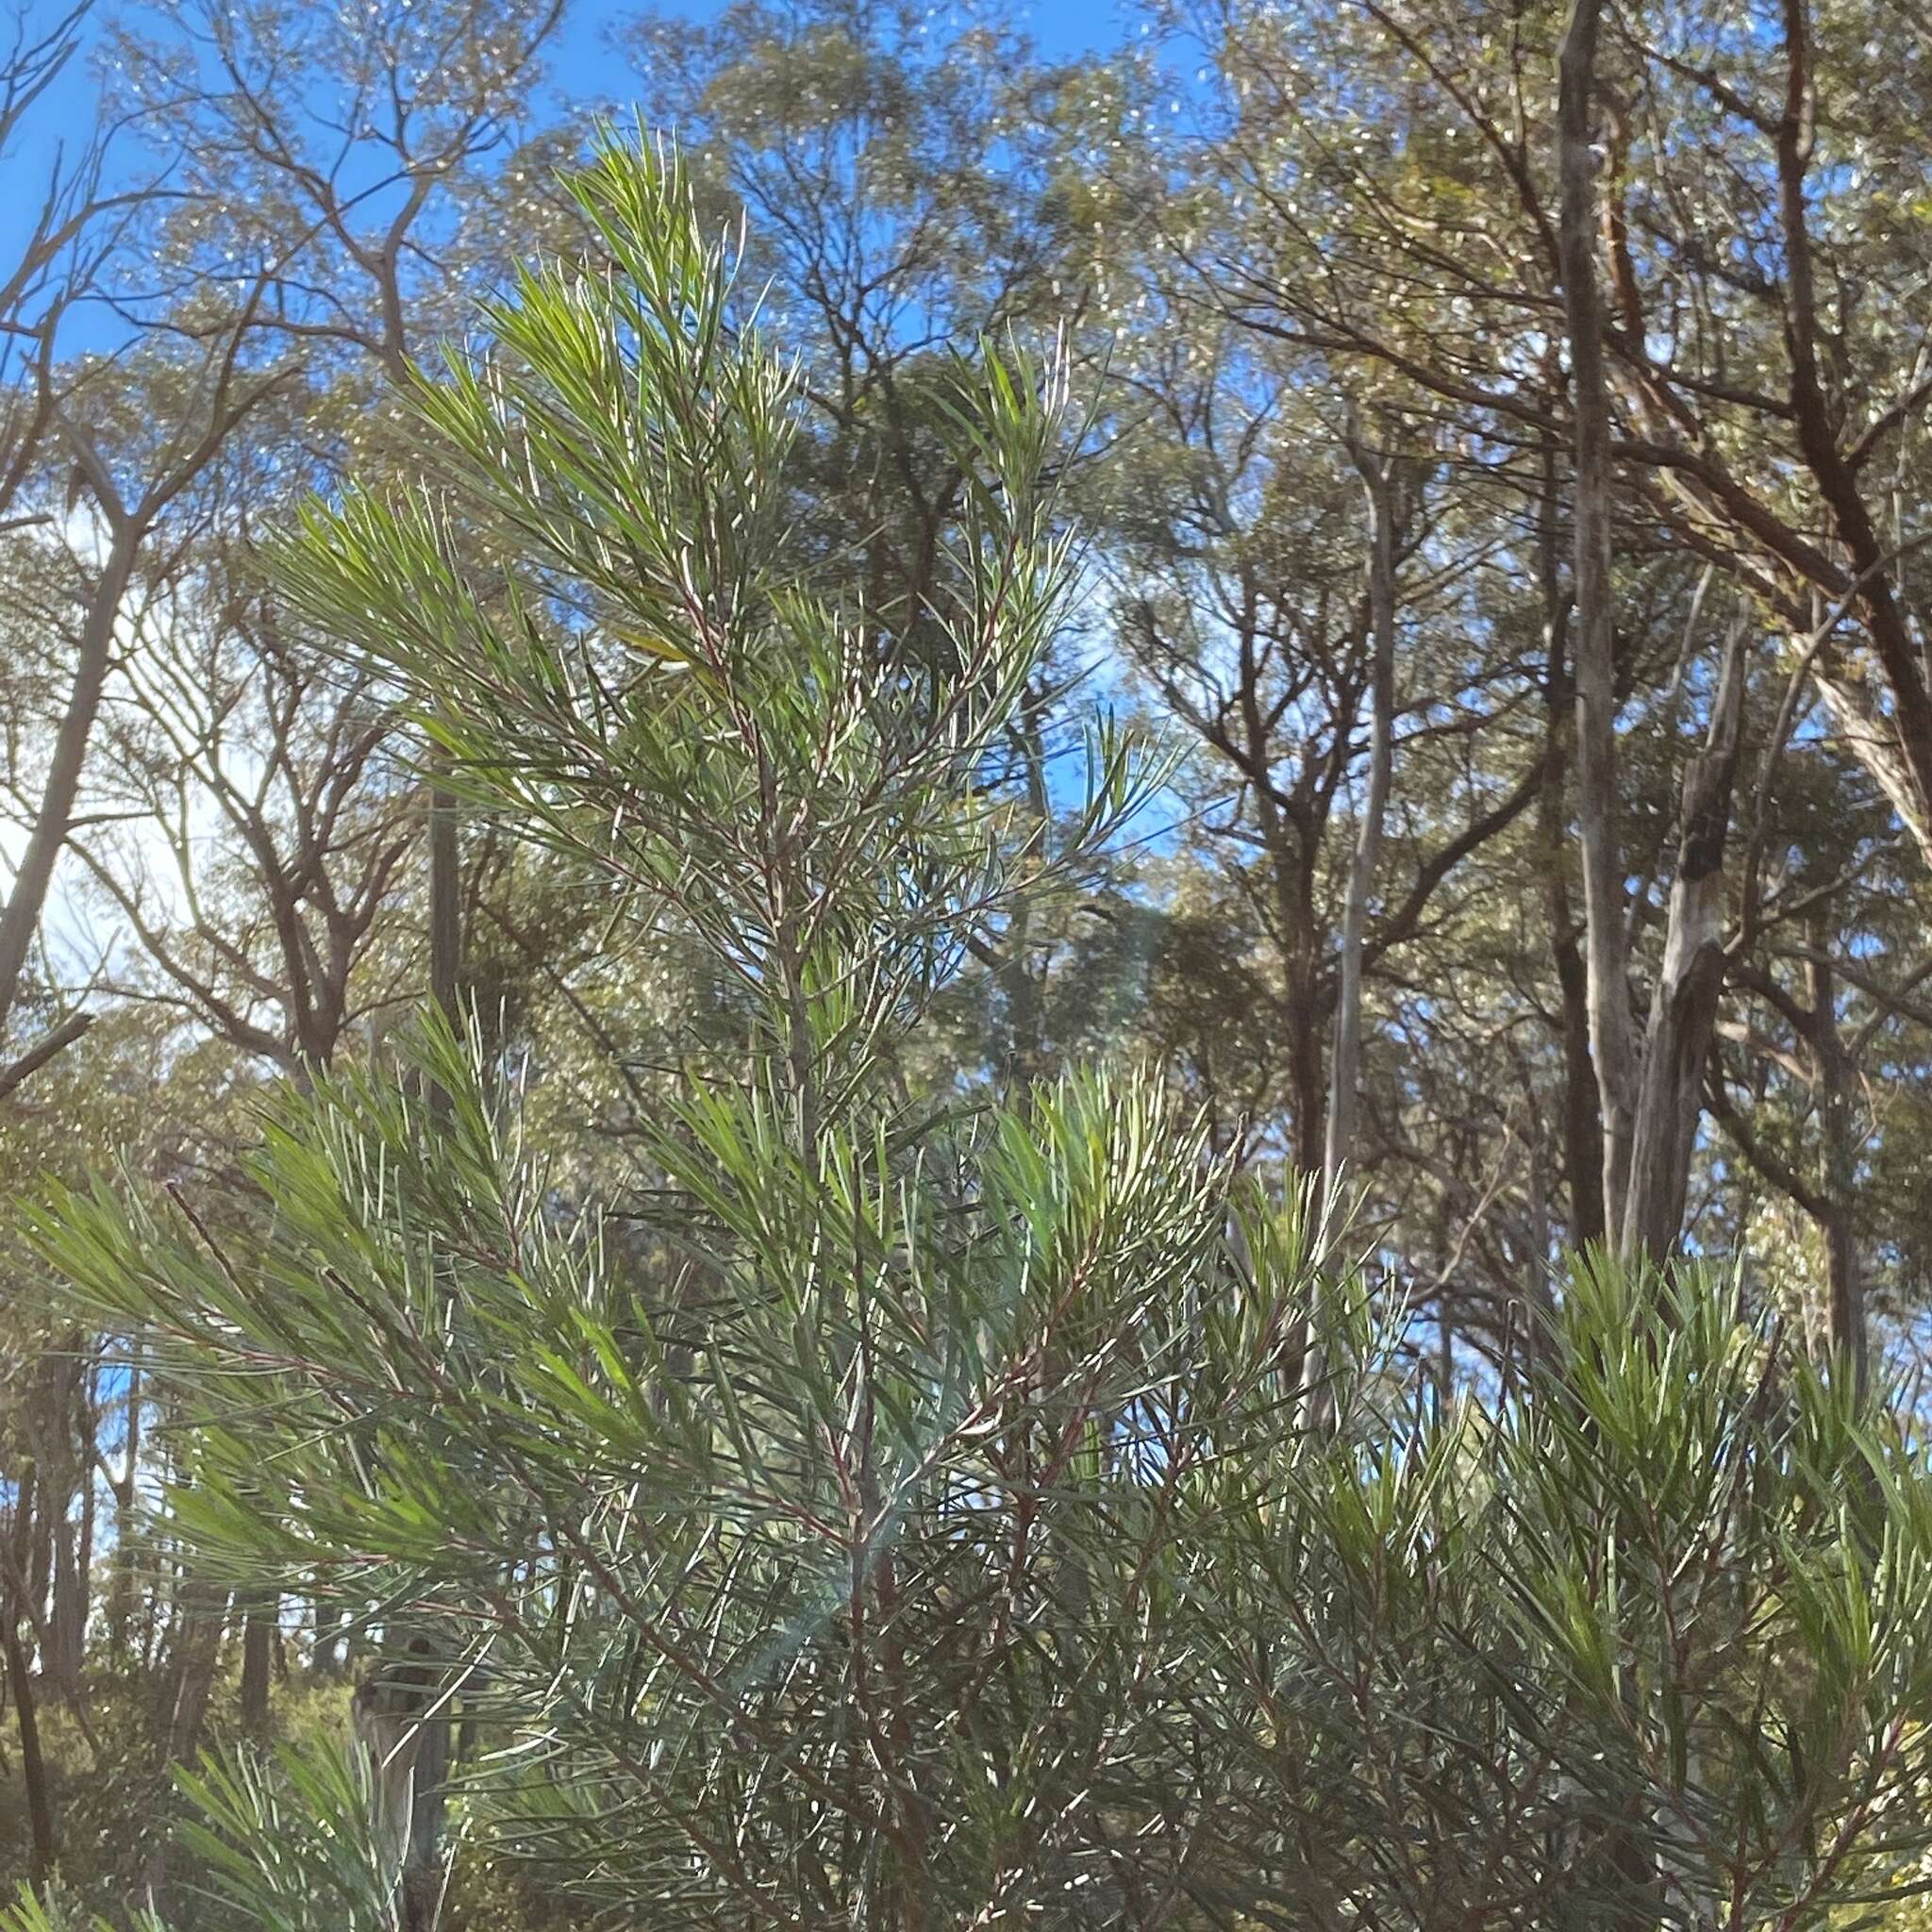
258	1642
1582	1121
57	1588
1831	1068
1345	1076
1868	734
400	1721
1307	1097
67	1609
1683	1007
195	1652
1612	1046
54	816
33	1766
326	1627
1815	416
84	1536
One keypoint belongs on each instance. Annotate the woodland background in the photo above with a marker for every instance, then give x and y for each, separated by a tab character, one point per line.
1392	920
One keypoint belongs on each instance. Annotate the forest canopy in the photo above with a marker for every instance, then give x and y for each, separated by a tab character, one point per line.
948	980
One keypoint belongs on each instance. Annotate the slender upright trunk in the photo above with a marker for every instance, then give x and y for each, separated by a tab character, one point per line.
84	1542
401	1723
33	1764
1344	1079
1582	1120
194	1654
1831	1069
1445	1353
257	1644
421	1879
19	1684
327	1626
1683	1005
424	1875
1628	1867
53	815
1612	1046
1307	1097
67	1608
60	1583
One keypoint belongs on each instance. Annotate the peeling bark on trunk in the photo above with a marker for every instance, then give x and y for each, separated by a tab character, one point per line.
1872	740
1683	1007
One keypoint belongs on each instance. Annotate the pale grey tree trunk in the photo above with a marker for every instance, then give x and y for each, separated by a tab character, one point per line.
1376	470
1612	1042
1869	736
54	813
401	1719
1683	1007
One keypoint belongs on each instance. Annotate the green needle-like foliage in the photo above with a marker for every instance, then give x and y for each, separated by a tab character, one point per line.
903	1515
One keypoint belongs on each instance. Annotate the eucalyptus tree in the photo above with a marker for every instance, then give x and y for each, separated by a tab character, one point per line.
1428	210
93	496
260	820
1819	1072
346	147
1307	588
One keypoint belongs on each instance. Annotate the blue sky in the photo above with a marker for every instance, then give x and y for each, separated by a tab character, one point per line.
579	65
